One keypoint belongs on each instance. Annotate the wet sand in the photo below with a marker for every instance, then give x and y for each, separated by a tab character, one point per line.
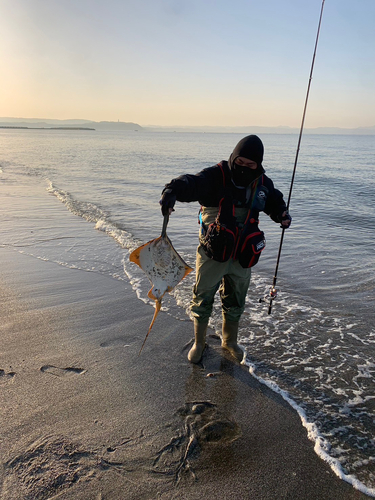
84	417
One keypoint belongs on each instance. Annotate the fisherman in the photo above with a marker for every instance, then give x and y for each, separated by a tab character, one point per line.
231	194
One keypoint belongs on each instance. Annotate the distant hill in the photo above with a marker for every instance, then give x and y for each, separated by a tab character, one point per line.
45	123
114	125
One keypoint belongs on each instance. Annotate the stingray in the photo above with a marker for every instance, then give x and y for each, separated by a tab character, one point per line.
163	266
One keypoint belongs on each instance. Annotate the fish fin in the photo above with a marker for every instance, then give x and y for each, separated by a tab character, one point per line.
135	255
150	295
188	270
157	309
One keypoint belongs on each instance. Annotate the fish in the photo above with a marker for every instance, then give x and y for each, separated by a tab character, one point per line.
163	266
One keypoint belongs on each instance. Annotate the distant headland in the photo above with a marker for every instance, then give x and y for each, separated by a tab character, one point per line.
44	124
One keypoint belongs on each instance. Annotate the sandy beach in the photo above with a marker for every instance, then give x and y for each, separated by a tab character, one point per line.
84	417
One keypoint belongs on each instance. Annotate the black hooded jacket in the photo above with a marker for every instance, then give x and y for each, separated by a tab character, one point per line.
210	185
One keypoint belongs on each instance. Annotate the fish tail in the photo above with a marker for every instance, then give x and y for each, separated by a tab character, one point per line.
157	309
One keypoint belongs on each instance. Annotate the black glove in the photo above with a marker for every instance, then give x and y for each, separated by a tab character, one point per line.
285	217
168	199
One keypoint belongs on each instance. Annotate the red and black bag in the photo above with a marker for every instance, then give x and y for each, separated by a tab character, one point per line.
223	239
251	245
220	237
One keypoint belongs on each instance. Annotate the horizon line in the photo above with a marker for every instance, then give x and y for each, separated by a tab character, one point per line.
84	120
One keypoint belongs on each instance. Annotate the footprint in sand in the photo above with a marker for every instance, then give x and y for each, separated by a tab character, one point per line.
6	377
61	372
119	342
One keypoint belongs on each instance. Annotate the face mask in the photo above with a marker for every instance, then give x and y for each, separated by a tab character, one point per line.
243	176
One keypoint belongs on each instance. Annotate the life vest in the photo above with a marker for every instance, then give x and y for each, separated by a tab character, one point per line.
224	239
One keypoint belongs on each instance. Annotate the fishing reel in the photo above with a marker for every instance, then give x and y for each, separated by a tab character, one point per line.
271	295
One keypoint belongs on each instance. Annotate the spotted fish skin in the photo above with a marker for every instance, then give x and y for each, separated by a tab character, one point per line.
163	266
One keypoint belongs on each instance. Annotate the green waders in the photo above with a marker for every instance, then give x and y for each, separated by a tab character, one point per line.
232	281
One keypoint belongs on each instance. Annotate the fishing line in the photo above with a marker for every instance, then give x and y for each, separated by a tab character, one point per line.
273	291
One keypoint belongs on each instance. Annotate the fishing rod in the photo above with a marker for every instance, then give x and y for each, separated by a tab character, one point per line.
273	291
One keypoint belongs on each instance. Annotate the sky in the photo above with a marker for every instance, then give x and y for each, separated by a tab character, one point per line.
189	62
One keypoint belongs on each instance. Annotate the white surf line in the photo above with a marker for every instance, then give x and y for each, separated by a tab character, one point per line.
321	444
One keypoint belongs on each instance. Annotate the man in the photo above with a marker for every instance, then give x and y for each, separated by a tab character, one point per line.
231	194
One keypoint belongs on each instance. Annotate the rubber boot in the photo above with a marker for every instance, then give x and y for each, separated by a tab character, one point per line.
229	342
195	353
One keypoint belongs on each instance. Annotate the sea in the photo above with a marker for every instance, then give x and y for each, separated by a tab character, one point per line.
316	348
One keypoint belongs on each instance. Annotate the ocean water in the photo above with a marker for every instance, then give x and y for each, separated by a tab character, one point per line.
317	346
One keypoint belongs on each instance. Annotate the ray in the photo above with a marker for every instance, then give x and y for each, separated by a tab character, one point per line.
162	265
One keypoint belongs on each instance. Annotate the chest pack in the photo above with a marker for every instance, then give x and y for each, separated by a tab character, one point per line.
224	238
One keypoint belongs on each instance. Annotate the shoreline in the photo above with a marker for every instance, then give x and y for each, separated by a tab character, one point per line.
105	421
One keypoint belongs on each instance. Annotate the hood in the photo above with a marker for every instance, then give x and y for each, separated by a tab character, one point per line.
250	147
